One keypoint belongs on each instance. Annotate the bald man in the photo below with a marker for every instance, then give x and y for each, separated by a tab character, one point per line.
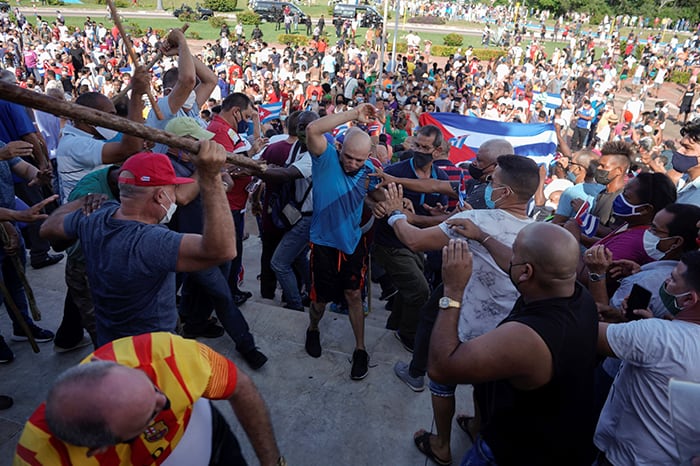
533	374
338	249
144	400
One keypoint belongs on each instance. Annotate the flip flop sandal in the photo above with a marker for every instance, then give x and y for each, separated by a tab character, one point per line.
423	444
463	422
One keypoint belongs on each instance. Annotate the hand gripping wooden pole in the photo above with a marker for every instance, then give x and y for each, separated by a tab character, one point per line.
75	112
149	65
130	50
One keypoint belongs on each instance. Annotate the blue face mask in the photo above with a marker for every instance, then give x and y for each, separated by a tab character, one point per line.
682	163
571	177
488	193
622	208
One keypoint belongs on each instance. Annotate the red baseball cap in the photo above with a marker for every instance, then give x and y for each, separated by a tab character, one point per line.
151	169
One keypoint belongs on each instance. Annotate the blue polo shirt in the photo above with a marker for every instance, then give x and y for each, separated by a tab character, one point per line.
338	200
384	234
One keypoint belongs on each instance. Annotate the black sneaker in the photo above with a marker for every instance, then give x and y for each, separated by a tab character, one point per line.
6	354
206	330
241	297
50	259
360	361
313	343
40	335
255	359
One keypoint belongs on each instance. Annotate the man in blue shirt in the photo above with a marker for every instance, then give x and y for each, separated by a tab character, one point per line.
338	253
585	115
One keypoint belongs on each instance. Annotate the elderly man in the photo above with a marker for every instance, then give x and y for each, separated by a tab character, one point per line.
533	374
145	400
338	251
137	295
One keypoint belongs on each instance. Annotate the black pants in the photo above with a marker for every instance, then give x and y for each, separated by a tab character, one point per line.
426	321
225	449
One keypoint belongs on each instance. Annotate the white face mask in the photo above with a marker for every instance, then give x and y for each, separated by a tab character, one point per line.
106	133
651	241
191	100
169	212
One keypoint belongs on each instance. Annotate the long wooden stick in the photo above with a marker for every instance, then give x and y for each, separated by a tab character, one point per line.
134	61
149	65
31	99
19	268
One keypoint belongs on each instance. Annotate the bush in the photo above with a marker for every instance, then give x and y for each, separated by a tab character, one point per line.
443	50
453	40
134	30
248	18
221	5
426	20
188	17
401	47
680	77
293	39
488	54
193	35
55	2
217	22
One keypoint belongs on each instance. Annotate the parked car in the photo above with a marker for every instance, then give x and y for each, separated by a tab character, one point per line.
370	16
269	10
201	13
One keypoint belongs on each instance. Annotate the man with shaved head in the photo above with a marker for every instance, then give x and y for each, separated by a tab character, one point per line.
533	374
338	249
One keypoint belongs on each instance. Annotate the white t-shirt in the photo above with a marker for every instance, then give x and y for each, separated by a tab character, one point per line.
489	296
635	427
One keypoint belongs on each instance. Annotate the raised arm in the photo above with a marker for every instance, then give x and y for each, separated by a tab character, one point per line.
116	152
217	243
315	132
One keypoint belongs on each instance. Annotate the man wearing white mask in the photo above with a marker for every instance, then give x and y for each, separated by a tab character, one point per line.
84	148
131	259
182	96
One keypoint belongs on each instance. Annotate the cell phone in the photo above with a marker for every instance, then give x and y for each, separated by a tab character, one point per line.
639	298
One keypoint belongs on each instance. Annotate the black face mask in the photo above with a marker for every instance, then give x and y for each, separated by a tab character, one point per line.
476	172
602	176
421	159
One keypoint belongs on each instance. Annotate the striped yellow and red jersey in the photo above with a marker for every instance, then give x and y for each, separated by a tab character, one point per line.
184	370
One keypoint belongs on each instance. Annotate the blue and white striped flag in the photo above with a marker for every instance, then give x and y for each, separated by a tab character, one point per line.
269	112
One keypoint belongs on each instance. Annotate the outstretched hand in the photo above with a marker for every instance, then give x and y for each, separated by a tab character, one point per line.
34	214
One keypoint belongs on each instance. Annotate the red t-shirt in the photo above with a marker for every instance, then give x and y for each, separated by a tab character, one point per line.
224	134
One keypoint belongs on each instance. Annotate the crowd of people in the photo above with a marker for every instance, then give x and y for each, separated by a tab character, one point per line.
513	277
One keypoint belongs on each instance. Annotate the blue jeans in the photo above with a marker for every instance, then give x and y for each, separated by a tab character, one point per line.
479	455
212	284
293	250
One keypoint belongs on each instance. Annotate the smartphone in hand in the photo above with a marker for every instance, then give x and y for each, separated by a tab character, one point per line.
639	298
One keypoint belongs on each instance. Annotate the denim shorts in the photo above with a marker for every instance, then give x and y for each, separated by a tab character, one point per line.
443	391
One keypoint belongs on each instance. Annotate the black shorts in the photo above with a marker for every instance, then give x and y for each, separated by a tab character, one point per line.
333	271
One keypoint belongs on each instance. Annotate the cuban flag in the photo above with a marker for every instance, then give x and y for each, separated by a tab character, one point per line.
550	101
587	221
466	134
340	130
269	112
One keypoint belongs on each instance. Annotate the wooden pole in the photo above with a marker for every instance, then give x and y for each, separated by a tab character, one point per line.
134	61
75	112
149	65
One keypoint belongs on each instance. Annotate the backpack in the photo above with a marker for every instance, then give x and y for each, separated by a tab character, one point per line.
283	209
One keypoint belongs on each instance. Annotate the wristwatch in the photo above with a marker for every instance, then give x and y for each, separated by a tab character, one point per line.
395	212
446	303
596	277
